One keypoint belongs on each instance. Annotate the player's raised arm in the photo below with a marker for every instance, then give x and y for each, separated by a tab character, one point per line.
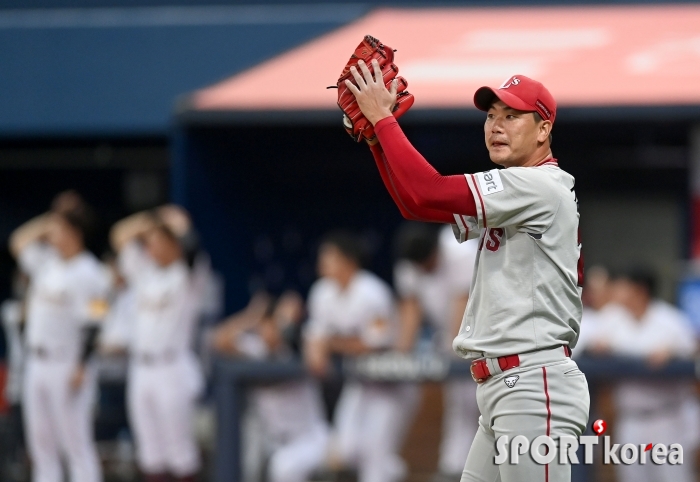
404	201
33	230
427	187
130	228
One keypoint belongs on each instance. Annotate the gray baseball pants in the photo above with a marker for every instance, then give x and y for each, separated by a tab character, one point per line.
546	395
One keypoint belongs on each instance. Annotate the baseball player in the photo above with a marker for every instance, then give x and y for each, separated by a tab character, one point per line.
290	413
65	302
12	312
351	313
432	279
636	324
597	296
164	378
524	309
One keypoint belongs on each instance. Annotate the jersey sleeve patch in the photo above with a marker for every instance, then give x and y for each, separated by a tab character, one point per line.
490	182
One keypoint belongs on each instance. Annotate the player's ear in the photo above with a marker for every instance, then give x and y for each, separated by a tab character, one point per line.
544	129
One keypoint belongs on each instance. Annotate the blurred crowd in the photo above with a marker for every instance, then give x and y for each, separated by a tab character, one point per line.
624	317
150	301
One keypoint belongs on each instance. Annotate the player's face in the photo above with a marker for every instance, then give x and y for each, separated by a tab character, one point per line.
162	248
62	236
270	334
512	136
332	263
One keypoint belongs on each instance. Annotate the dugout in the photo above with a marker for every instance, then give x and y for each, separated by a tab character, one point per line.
263	164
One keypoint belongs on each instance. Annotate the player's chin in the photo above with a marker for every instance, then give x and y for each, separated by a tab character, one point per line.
500	155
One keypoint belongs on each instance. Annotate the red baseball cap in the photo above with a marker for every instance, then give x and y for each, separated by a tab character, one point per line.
521	93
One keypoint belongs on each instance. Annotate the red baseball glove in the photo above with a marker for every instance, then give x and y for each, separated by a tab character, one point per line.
355	123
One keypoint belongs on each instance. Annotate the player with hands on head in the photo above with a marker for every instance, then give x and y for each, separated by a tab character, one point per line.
65	306
524	310
156	258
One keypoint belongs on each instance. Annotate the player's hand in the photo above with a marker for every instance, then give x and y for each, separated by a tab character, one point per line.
659	358
77	378
175	218
317	358
373	98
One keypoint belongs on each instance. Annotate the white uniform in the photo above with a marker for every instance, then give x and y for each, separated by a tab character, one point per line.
119	322
656	411
58	420
591	324
11	321
371	418
164	377
437	292
291	418
525	300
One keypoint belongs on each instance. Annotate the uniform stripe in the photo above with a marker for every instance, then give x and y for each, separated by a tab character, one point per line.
462	226
481	200
466	226
549	418
551	161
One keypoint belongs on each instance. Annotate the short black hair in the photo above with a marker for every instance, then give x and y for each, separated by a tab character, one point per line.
416	242
643	276
82	219
350	244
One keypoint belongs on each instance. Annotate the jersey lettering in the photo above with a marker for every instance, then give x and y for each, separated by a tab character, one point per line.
495	235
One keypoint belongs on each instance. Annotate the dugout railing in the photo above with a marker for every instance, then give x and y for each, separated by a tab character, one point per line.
233	376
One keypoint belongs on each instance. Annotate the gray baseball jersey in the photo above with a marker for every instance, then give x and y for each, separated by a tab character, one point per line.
526	293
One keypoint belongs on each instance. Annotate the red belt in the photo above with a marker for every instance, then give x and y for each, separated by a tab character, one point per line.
480	370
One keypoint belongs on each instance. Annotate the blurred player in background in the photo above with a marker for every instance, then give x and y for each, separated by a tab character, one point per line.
118	328
597	295
638	325
290	413
432	278
13	312
157	259
66	299
352	313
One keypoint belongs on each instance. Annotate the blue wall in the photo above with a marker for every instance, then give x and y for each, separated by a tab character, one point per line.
118	71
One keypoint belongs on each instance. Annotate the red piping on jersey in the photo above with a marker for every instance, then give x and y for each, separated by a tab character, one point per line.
463	224
466	225
481	200
548	162
549	417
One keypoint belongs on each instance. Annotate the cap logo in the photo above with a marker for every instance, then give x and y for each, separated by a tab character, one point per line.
544	109
509	82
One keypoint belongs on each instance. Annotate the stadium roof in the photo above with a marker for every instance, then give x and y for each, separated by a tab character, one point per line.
619	61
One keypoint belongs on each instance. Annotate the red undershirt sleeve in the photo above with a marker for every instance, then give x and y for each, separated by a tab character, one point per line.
408	207
427	187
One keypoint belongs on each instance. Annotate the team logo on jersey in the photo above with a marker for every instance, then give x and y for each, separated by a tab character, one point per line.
511	380
509	82
490	182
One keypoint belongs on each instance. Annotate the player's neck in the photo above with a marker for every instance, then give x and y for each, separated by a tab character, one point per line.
70	252
639	309
344	279
539	156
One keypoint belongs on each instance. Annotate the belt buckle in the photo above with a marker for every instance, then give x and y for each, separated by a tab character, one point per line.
474	377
